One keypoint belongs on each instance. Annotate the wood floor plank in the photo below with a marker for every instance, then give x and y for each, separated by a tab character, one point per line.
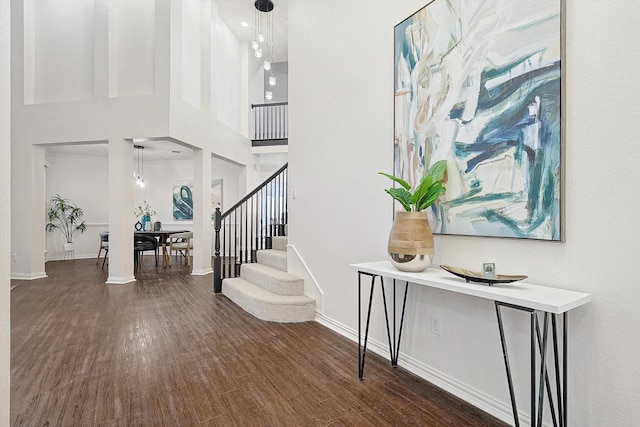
166	351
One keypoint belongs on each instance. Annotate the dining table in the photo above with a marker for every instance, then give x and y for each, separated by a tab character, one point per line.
163	238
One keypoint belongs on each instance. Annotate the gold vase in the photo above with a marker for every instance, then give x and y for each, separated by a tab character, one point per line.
411	242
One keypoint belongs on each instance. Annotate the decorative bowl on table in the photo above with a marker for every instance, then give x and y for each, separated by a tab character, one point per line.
472	276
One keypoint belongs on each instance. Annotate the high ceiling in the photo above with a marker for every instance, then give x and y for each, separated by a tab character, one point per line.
233	12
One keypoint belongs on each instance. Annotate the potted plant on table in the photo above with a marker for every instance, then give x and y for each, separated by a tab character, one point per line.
66	217
146	212
411	240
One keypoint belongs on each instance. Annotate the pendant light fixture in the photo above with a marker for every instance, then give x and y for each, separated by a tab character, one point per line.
262	43
139	173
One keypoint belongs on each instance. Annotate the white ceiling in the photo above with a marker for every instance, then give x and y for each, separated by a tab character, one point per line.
162	150
153	150
233	12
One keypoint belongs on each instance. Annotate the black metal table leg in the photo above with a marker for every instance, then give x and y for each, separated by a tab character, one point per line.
362	349
534	319
543	368
539	373
554	328
547	382
404	304
564	366
505	355
394	341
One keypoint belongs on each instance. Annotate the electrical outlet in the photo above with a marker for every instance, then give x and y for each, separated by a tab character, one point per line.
435	325
14	257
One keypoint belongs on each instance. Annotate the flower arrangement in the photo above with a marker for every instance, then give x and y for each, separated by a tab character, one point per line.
144	210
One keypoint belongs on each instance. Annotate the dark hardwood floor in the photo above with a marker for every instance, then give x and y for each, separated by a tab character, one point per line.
166	351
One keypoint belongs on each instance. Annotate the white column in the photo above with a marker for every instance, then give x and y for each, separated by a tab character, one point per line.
27	212
38	211
201	213
121	220
5	209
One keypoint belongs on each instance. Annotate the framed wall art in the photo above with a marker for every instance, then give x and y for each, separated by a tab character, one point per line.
478	83
183	199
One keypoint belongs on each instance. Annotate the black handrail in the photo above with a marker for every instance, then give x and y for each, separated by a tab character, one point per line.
249	226
270	104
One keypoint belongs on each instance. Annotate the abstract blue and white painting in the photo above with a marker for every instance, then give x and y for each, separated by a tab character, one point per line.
477	82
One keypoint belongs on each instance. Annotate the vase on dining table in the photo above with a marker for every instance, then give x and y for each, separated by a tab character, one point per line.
146	222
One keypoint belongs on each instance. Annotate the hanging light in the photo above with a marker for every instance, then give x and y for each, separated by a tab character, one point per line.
272	80
139	172
262	43
268	95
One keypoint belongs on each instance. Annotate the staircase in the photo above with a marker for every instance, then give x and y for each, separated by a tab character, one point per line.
265	289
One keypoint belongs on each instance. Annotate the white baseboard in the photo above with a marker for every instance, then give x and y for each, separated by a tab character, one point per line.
28	276
62	258
120	280
202	272
474	397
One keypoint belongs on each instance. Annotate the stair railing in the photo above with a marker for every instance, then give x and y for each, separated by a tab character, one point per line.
249	226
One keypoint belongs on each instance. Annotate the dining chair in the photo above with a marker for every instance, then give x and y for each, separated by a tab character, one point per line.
182	244
142	243
104	244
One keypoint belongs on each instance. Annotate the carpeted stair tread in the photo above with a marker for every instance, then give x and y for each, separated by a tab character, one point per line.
273	258
266	305
273	280
279	243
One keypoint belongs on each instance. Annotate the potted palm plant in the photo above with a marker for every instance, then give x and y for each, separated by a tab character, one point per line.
66	217
411	246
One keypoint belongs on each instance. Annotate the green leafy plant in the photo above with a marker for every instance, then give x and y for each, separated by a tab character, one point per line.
425	194
65	216
144	210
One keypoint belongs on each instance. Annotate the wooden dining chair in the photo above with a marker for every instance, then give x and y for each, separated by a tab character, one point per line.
104	244
182	244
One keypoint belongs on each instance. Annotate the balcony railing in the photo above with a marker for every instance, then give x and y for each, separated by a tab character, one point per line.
270	123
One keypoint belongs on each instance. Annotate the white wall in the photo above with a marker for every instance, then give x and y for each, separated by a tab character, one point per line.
341	129
5	209
215	118
233	184
100	106
108	77
84	180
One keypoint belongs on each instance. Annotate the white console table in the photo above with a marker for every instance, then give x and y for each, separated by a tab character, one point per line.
533	299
